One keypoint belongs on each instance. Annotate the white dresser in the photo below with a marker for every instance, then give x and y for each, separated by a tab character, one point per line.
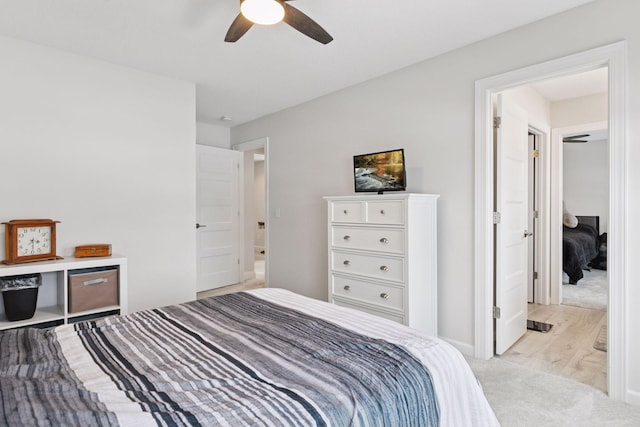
383	256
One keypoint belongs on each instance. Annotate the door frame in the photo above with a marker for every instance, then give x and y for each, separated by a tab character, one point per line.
542	225
251	145
614	57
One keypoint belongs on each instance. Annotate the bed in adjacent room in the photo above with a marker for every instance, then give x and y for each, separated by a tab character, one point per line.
580	246
262	357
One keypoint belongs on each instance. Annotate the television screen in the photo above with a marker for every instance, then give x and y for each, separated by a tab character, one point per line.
380	172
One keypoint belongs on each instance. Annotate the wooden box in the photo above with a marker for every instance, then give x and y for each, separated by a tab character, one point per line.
91	290
97	249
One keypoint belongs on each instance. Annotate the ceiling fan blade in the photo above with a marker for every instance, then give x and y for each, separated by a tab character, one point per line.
584	135
575	138
305	25
238	27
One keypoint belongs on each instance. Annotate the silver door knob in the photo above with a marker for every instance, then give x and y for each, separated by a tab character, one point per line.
384	268
527	234
384	295
347	287
384	240
200	226
347	237
347	262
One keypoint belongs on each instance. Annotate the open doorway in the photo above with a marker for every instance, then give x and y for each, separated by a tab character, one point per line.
569	336
585	195
259	226
613	57
568	341
255	218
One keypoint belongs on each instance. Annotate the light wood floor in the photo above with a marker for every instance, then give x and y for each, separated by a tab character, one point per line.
244	286
567	349
258	282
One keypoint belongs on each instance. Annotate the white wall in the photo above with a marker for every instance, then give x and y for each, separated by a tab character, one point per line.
428	109
213	135
578	111
586	180
538	107
585	166
108	151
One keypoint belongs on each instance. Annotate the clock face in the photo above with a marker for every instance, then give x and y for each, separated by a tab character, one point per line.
34	240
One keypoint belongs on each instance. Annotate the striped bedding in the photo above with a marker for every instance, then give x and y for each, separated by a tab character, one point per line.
266	357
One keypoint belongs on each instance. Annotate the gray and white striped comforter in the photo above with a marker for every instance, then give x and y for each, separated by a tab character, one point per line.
266	357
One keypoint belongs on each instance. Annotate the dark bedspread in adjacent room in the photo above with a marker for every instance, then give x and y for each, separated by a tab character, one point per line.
579	247
265	357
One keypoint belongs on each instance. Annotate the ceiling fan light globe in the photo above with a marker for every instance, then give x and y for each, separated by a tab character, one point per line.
263	12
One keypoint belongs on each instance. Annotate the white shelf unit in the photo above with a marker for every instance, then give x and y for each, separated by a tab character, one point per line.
53	297
383	256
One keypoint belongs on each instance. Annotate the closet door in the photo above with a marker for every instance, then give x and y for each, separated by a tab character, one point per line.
218	220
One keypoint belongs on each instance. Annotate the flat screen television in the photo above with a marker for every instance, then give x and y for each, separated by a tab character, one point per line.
380	172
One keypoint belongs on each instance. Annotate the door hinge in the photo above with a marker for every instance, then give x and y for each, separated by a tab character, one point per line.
496	217
496	312
536	214
497	122
535	275
536	154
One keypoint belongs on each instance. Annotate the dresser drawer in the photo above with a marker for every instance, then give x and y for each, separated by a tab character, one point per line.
385	212
379	267
371	310
369	293
368	239
347	212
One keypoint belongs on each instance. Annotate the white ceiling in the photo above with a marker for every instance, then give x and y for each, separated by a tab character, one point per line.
574	86
270	68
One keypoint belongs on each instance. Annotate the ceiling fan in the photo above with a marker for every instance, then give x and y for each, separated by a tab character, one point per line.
267	12
576	138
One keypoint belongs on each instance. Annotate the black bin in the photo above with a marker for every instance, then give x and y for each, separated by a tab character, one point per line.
20	295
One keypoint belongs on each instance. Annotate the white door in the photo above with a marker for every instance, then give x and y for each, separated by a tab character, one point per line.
511	232
218	217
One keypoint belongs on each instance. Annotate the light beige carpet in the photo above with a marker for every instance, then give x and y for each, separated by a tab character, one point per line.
590	292
524	397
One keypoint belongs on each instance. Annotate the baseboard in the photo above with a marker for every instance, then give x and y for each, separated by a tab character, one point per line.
464	348
633	397
248	275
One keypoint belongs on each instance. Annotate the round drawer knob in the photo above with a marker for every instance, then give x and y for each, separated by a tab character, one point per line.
381	211
347	262
384	295
384	240
347	237
384	268
345	211
347	288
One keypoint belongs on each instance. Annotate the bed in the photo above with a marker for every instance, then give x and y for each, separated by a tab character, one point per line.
261	357
580	246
